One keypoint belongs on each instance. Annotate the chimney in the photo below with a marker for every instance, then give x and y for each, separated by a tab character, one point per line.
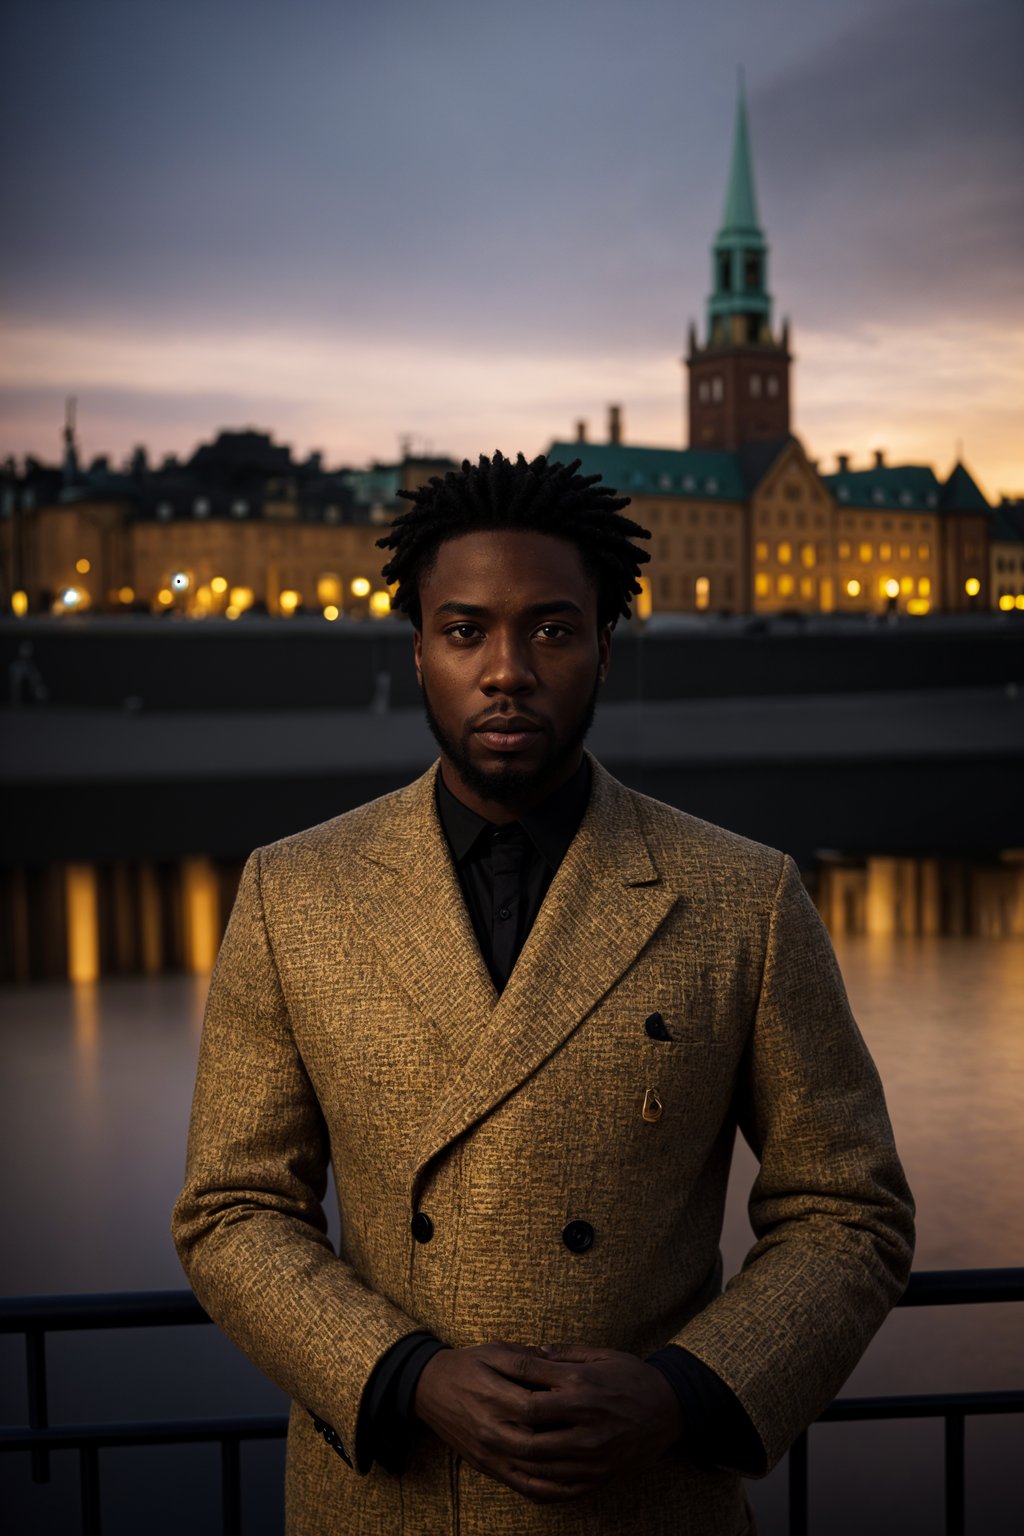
879	458
844	462
581	431
615	423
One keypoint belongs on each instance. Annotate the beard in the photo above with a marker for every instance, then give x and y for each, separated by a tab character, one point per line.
506	783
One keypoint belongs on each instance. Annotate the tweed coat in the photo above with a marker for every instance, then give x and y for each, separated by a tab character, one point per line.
351	1018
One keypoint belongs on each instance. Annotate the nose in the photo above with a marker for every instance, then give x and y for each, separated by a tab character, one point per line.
506	666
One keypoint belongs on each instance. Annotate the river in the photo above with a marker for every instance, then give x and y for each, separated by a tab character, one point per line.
97	1082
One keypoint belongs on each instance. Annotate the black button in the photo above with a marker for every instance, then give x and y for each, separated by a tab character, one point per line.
655	1027
422	1227
578	1236
504	912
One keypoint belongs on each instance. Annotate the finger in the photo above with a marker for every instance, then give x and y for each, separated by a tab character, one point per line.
516	1365
576	1353
546	1489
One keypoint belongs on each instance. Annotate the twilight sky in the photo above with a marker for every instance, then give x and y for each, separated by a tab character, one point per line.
472	221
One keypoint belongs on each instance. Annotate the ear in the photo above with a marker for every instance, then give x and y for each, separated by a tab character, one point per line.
604	651
417	655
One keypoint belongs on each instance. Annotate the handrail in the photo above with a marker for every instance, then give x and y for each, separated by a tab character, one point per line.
36	1316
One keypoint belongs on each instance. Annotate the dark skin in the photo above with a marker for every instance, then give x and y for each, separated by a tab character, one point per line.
509	654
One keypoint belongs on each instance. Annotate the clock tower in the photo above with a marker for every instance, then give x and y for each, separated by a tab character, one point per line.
739	375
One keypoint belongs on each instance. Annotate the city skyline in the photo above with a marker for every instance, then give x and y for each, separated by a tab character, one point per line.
474	230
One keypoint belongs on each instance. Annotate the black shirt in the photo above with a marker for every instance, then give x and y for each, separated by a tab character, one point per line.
505	872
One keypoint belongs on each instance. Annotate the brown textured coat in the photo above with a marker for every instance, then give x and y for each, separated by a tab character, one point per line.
352	1017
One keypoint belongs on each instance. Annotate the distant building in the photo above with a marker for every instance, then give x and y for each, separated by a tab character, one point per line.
743	521
241	527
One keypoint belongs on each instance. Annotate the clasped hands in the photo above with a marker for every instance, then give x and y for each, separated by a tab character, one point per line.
552	1422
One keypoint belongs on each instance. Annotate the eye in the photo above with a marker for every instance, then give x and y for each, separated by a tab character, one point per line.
554	631
462	632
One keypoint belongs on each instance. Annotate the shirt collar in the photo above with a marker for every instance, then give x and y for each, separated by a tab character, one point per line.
550	826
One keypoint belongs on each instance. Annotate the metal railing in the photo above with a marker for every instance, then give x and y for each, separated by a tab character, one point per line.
36	1316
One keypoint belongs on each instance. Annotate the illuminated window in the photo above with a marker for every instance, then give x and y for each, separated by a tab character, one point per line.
924	551
906	585
1006	602
762	585
702	591
772	385
785	552
717	387
807	586
885	551
844	549
865	553
704	391
755	386
972	586
904	551
786	585
807	555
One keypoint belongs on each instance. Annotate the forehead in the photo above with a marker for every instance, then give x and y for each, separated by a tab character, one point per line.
502	565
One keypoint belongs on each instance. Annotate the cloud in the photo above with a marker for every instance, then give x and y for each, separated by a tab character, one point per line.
892	158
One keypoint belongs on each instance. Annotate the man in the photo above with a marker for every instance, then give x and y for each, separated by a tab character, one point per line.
522	1010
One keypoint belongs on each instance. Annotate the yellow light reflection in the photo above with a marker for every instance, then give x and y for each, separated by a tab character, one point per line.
240	599
918	605
330	612
360	587
19	603
972	586
219	584
1020	600
81	901
289	600
231	612
891	588
201	901
126	595
380	604
83	566
1006	602
853	588
165	596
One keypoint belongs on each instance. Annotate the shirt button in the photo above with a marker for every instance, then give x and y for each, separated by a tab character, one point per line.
422	1227
504	912
578	1236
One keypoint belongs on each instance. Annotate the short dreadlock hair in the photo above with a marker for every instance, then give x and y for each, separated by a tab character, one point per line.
540	497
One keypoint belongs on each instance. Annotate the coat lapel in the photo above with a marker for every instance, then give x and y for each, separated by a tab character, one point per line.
411	904
602	908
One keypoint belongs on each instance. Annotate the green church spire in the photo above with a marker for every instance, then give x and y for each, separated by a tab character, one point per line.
740	306
740	215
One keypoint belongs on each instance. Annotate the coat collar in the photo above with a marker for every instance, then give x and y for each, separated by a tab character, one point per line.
603	906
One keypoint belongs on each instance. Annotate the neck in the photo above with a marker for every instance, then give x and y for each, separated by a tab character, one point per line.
503	811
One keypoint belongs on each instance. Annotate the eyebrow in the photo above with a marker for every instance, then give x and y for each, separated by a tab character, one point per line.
533	611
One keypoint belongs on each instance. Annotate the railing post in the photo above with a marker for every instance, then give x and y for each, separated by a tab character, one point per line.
89	1464
38	1417
798	1511
231	1487
955	1501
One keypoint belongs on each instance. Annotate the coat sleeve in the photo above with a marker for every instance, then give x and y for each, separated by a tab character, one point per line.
830	1208
249	1225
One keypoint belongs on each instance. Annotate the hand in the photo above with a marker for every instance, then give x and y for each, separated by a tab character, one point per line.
552	1423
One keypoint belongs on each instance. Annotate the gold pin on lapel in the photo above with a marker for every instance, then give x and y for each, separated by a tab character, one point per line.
652	1106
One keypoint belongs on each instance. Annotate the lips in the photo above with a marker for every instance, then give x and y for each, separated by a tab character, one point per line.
507	733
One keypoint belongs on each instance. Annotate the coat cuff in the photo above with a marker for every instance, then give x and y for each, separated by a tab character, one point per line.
718	1429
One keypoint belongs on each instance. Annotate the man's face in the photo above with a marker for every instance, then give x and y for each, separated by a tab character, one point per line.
510	659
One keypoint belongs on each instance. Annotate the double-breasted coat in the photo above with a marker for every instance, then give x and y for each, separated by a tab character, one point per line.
351	1019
